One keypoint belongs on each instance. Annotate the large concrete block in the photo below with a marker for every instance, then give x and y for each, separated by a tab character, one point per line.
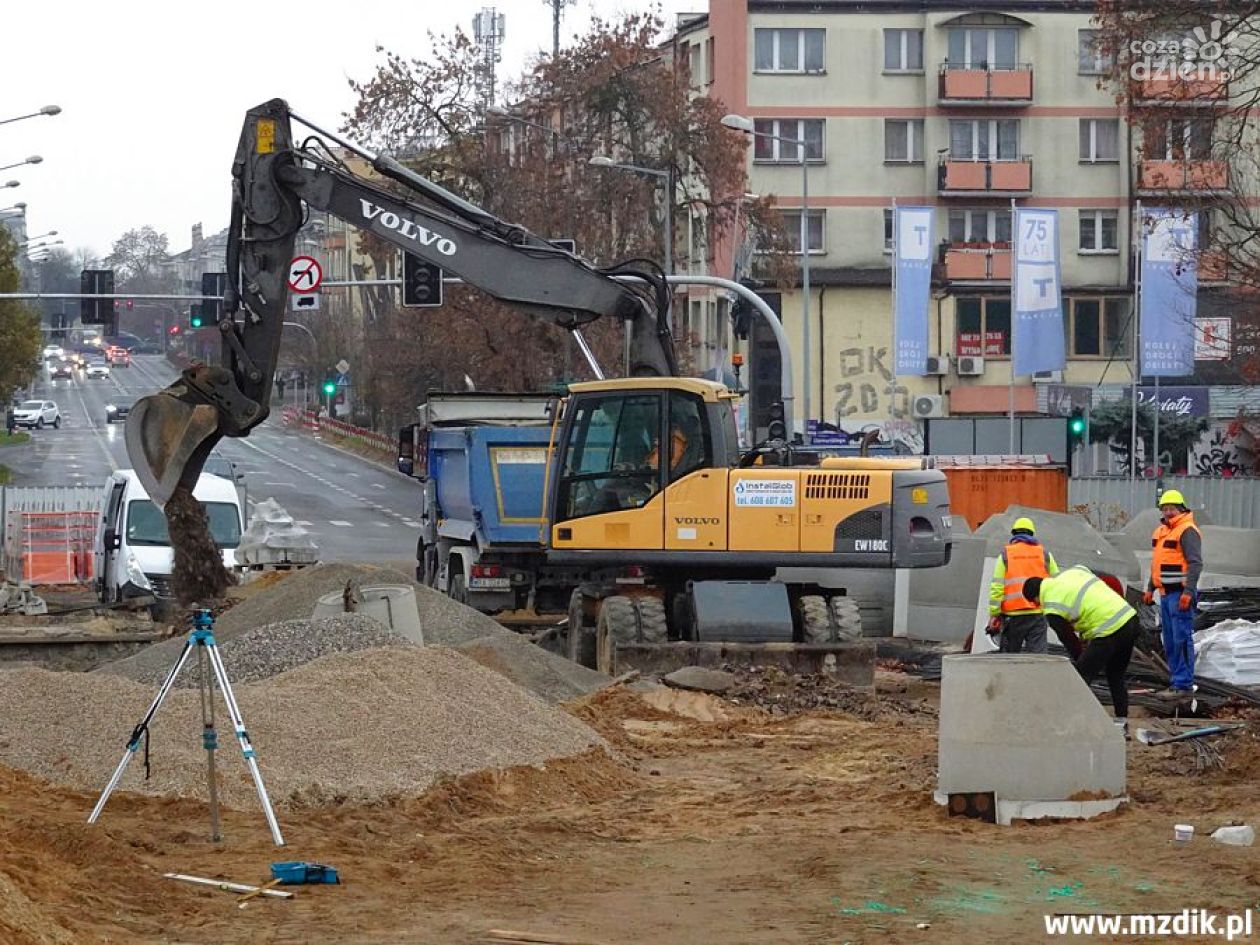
940	603
1070	538
1027	728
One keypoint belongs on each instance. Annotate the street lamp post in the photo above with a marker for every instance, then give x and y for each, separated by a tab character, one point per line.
666	177
33	159
745	125
46	110
32	239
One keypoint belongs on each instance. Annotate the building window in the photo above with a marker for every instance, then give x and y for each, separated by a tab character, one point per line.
903	50
888	231
983	326
980	226
983	48
1178	139
1205	232
1100	328
1099	229
1100	140
984	140
1091	58
903	141
815	226
781	50
772	150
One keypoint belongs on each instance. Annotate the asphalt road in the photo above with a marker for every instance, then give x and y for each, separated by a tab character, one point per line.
356	510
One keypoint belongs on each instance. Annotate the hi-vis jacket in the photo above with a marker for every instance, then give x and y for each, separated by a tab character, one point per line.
1020	560
1176	554
1082	599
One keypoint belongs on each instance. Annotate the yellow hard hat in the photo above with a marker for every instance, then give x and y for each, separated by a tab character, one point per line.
1025	525
1172	497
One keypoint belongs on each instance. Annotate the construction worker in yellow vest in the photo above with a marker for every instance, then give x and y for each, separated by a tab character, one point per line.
1176	563
1020	621
1077	600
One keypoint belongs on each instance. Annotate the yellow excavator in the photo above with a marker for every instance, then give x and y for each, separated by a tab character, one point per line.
665	536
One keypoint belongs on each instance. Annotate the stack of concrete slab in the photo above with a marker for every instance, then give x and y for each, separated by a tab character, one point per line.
943	603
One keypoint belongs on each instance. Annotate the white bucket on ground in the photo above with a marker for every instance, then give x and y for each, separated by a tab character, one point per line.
393	605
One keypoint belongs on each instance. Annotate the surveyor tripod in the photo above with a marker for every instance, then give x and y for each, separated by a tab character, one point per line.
202	640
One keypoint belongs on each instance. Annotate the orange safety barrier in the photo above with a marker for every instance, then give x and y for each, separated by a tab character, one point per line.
55	547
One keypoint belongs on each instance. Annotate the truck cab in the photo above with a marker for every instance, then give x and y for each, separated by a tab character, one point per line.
132	549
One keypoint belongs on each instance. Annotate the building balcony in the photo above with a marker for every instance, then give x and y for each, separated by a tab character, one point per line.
1168	90
985	178
1002	87
1158	178
976	262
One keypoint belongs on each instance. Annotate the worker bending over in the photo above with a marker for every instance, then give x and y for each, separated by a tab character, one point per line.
1176	563
1020	621
1077	600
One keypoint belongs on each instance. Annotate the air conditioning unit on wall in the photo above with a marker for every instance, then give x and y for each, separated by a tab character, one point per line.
926	406
970	366
1048	377
938	364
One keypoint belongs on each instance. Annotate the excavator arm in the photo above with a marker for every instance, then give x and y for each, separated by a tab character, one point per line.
170	434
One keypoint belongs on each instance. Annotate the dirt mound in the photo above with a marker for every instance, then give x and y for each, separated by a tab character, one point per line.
347	727
782	693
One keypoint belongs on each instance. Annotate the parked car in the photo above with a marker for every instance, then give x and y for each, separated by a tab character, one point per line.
117	413
118	356
62	368
98	369
37	414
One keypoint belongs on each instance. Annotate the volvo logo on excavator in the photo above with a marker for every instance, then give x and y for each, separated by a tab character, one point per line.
408	228
691	520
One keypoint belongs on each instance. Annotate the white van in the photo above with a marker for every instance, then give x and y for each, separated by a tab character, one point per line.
133	554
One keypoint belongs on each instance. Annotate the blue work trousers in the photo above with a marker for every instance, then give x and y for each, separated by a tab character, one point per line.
1178	630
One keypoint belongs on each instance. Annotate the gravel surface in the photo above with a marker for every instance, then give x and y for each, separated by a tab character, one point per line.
350	726
444	622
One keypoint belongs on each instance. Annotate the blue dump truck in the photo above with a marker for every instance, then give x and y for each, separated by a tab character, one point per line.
482	461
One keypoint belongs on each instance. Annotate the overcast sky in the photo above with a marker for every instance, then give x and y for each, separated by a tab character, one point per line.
154	93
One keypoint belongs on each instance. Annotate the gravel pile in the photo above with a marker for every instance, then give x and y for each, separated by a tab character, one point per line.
444	621
351	726
276	648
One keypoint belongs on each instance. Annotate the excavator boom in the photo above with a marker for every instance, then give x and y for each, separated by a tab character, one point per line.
170	434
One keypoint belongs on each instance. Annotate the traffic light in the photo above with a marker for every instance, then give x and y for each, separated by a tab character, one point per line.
209	310
330	387
776	426
96	311
422	283
1076	426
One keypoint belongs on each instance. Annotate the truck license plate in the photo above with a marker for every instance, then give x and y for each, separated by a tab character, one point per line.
489	584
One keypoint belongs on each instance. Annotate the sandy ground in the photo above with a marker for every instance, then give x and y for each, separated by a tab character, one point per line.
816	828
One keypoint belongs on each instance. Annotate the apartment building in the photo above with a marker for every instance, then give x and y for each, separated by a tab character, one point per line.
969	108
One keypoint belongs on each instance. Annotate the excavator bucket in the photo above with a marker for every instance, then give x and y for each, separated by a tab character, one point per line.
169	435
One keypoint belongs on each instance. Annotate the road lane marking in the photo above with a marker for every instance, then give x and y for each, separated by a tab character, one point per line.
339	522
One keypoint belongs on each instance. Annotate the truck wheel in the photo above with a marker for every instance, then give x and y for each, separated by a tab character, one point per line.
653	627
617	623
816	619
459	590
581	635
846	618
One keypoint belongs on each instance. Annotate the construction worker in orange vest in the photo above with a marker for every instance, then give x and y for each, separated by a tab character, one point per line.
1176	563
1020	621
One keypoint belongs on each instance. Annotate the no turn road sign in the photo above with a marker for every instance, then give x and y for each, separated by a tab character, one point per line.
305	274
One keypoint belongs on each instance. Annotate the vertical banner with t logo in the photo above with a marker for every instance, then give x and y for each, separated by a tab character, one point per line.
1170	284
912	287
1037	332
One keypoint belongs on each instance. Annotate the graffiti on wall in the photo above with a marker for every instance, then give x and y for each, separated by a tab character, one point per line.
1228	449
867	387
906	435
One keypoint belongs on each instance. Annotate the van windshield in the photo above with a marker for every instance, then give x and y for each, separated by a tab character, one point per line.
146	525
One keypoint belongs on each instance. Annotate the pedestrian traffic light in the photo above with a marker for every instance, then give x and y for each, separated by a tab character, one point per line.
421	283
